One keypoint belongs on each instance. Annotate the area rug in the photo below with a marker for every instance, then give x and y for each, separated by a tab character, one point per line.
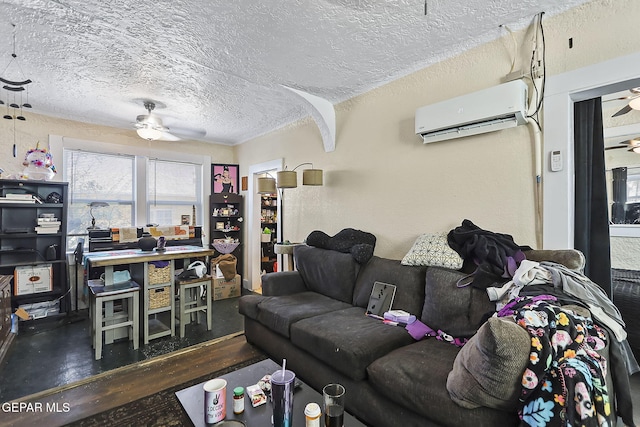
160	409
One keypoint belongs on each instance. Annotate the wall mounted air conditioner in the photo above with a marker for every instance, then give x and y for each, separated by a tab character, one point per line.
487	110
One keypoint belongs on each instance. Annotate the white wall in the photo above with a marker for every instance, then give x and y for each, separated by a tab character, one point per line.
43	129
382	179
37	128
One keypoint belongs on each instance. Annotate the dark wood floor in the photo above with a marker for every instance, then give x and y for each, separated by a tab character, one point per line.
123	385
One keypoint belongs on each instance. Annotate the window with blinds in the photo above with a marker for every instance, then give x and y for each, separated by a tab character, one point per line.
98	177
173	189
139	190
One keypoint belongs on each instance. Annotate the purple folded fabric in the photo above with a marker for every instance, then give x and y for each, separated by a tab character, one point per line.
159	264
418	330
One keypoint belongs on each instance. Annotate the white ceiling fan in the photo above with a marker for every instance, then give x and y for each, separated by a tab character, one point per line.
150	127
633	104
631	145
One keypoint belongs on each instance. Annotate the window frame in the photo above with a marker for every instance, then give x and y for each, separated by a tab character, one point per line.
142	155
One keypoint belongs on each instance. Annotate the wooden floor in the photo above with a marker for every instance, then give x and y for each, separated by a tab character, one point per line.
109	390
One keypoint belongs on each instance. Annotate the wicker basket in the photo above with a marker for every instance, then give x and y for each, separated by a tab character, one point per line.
159	275
159	297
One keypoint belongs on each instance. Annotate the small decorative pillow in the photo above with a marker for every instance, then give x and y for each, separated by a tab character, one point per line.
488	369
432	250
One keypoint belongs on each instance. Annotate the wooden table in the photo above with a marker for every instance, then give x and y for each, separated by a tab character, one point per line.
137	262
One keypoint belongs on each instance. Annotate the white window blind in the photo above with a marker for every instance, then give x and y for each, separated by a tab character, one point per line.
173	190
138	189
98	177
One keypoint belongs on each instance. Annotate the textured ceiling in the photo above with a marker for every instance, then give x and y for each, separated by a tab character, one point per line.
218	66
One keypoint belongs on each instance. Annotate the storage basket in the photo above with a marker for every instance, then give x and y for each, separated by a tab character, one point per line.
159	297
159	275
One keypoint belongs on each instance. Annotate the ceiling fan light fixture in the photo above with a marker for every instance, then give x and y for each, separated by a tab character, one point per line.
635	103
148	133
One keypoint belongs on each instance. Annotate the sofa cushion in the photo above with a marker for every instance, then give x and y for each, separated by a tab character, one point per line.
433	250
282	283
458	311
409	283
415	377
248	305
488	370
347	339
279	313
328	272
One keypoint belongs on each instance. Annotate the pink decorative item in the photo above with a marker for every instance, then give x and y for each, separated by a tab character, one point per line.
39	164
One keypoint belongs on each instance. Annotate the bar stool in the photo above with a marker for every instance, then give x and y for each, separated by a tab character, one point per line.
190	301
105	319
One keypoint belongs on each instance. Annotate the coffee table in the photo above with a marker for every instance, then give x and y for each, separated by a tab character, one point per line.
192	399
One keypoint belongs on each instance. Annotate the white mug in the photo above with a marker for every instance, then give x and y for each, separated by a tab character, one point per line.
215	404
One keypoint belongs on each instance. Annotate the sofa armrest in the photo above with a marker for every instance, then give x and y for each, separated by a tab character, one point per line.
573	259
282	283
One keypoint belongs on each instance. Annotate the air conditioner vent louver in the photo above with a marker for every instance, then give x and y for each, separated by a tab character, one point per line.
487	110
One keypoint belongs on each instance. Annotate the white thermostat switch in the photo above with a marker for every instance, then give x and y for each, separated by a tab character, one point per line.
556	161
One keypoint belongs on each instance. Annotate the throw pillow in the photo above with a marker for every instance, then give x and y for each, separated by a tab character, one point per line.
488	369
432	250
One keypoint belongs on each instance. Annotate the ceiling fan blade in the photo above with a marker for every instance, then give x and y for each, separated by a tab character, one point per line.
622	111
629	144
167	136
186	133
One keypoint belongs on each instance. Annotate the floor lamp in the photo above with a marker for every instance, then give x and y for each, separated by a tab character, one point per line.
288	179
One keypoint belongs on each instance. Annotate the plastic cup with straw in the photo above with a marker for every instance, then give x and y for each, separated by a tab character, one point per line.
282	383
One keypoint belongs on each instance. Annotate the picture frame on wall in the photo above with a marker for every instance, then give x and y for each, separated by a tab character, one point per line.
224	178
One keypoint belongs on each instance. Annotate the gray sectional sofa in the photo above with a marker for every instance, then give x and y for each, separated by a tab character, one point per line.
315	318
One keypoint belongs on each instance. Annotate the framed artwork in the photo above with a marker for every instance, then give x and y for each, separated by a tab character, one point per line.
224	178
185	219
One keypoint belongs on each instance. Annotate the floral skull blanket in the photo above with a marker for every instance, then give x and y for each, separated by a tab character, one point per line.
564	383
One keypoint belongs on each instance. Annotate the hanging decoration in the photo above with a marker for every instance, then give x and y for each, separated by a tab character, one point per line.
14	89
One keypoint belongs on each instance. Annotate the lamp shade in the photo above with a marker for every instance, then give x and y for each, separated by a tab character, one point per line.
312	177
149	133
287	179
635	103
266	185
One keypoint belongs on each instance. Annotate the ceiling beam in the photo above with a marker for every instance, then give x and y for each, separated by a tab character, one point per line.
323	114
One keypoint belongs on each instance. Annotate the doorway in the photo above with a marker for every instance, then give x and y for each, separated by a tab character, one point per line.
254	251
561	92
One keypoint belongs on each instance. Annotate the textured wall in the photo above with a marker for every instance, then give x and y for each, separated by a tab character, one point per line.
625	253
382	179
38	128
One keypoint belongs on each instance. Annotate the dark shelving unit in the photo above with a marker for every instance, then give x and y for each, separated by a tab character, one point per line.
226	220
21	245
268	219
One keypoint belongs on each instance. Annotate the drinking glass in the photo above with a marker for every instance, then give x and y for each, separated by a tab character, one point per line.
333	398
